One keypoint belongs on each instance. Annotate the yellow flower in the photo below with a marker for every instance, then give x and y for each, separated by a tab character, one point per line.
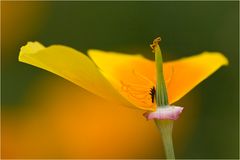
129	79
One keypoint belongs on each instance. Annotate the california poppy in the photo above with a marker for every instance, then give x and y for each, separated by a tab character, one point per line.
130	79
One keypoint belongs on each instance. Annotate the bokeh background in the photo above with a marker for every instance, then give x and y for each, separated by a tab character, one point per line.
45	116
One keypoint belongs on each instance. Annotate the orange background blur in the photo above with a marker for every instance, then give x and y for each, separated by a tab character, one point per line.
45	116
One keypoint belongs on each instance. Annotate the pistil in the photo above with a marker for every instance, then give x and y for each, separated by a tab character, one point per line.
161	90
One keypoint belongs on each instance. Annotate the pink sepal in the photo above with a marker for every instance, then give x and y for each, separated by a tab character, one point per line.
167	112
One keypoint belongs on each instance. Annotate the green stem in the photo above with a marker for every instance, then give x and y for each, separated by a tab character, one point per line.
166	127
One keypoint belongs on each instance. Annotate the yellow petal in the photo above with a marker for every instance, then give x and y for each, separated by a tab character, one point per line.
132	75
71	65
189	72
139	73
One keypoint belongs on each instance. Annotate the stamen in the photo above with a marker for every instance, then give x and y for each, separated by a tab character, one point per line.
141	76
168	81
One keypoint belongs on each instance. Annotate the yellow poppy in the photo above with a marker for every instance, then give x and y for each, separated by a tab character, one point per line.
129	79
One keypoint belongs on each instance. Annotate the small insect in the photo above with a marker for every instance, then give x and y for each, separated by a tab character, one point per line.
152	93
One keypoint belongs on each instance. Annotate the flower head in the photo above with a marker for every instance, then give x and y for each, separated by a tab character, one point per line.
129	79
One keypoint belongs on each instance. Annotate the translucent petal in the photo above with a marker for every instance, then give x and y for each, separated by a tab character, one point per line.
189	72
180	76
71	65
132	75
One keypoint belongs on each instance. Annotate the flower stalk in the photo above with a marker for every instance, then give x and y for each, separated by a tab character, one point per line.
165	126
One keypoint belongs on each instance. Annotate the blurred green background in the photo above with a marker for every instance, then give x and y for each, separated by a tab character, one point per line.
186	28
